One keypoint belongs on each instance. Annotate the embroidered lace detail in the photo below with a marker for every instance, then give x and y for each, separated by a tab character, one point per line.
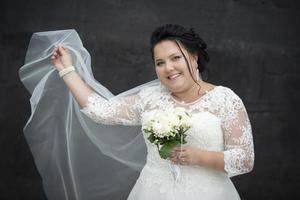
239	149
117	110
219	123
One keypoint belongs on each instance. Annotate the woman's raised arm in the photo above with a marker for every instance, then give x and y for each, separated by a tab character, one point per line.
61	59
117	110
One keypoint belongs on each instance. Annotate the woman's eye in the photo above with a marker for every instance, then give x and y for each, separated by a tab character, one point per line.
177	57
159	63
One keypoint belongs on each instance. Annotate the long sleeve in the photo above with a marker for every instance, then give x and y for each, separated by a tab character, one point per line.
117	110
238	140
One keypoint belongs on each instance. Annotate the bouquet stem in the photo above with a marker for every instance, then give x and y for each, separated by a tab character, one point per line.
165	149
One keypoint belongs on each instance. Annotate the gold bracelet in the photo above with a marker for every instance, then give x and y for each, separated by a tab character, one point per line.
65	71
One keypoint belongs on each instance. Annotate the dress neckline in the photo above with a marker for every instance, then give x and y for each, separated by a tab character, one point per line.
207	92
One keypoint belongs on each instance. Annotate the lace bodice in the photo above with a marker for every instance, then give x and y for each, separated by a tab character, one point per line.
219	122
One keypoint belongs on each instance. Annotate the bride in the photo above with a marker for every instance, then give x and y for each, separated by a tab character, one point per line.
219	141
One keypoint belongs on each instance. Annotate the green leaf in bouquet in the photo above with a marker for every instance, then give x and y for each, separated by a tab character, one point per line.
166	149
152	138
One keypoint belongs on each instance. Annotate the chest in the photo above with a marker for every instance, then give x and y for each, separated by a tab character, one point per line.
205	132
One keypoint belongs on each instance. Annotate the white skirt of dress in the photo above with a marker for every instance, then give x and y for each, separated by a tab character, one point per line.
195	183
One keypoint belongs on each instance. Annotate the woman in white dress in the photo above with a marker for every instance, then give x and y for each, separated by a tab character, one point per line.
219	142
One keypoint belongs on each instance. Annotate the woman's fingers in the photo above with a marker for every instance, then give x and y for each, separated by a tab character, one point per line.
185	155
58	52
63	50
179	152
180	161
61	57
55	52
56	58
179	157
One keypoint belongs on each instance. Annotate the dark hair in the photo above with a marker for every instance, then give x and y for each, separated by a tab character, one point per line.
191	41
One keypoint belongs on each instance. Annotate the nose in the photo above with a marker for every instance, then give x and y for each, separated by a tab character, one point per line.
169	66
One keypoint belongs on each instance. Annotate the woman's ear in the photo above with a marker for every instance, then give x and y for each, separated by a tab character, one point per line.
195	57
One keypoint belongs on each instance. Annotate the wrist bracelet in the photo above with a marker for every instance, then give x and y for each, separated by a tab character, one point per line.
65	71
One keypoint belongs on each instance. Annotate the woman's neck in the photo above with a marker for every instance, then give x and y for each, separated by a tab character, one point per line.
190	95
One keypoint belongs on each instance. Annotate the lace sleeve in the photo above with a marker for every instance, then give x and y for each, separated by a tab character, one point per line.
239	149
117	110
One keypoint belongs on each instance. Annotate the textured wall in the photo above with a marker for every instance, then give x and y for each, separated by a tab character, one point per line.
254	49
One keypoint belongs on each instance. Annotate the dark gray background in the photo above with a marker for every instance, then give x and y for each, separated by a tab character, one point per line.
254	49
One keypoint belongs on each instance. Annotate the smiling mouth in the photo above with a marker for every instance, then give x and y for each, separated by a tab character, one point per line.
174	76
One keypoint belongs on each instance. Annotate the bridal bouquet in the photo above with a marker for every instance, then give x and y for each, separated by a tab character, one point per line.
166	128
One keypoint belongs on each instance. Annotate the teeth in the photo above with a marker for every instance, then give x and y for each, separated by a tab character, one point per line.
173	76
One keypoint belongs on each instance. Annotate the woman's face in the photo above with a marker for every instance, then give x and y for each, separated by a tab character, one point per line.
171	67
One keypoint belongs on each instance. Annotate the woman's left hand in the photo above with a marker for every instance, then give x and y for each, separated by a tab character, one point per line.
185	155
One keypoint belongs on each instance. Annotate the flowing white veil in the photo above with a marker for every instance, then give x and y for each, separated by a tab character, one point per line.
76	158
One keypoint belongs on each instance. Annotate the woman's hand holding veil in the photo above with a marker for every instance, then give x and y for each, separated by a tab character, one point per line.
61	58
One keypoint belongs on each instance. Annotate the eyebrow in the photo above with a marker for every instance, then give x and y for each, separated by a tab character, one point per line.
168	56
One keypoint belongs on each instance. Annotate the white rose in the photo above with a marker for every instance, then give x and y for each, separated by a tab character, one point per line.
174	119
157	127
165	126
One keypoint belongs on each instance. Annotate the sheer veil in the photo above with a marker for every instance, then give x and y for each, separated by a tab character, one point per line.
76	158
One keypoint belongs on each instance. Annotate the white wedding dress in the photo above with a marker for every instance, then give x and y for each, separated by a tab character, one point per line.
80	159
219	123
